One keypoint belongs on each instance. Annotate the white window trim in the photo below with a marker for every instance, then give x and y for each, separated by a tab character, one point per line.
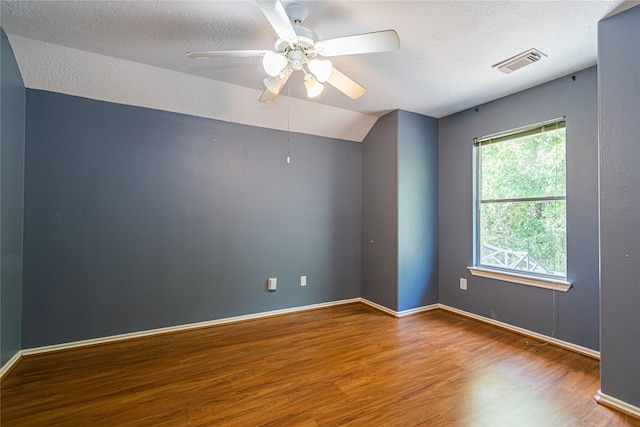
521	279
507	275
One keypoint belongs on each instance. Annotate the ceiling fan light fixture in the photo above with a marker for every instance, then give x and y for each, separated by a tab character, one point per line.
314	87
296	48
274	63
321	68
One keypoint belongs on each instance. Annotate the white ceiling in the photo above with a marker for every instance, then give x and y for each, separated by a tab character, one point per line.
443	65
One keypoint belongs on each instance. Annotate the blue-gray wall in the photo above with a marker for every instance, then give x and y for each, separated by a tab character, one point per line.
138	219
399	211
380	212
619	95
12	130
417	210
577	319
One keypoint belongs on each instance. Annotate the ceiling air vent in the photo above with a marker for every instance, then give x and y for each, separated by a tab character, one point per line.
520	60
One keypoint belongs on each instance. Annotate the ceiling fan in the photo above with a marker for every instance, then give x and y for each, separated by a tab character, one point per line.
297	49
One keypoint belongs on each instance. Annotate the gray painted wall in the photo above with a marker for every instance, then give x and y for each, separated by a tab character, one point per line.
138	219
417	210
12	130
577	319
619	95
399	211
380	212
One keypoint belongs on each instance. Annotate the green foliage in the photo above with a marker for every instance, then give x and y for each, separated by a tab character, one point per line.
532	230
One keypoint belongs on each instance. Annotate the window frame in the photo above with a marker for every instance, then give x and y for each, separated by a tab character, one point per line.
522	277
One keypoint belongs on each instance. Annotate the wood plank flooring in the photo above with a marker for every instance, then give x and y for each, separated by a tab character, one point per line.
348	365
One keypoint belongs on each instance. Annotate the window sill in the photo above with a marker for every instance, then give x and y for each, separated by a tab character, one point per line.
522	279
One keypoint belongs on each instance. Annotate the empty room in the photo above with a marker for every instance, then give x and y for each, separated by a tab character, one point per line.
320	213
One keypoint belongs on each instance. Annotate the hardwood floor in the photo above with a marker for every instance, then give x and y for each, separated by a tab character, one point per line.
348	365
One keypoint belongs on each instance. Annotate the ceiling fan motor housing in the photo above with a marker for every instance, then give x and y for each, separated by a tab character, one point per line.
306	42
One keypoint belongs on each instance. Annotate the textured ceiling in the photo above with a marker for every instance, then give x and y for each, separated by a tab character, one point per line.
442	67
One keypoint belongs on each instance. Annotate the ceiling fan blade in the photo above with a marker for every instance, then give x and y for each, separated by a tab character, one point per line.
380	41
226	54
345	85
274	11
267	96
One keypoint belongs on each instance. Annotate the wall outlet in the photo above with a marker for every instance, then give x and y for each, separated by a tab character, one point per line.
463	284
272	283
303	280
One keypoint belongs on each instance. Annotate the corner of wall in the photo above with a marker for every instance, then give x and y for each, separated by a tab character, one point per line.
619	156
12	144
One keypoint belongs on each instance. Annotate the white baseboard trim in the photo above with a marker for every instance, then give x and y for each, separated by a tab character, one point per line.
411	311
379	307
618	404
402	313
560	343
7	367
120	337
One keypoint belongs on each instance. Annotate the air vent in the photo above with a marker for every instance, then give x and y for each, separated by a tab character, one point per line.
520	60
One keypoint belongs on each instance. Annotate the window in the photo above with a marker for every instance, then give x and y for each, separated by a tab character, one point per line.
521	196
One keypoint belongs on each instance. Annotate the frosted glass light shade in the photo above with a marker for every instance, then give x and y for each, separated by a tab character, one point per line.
273	63
321	68
275	83
314	88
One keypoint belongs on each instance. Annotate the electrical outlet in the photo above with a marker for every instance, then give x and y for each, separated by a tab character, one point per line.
303	280
463	284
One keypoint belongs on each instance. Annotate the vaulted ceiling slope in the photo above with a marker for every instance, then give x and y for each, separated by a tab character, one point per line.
134	52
